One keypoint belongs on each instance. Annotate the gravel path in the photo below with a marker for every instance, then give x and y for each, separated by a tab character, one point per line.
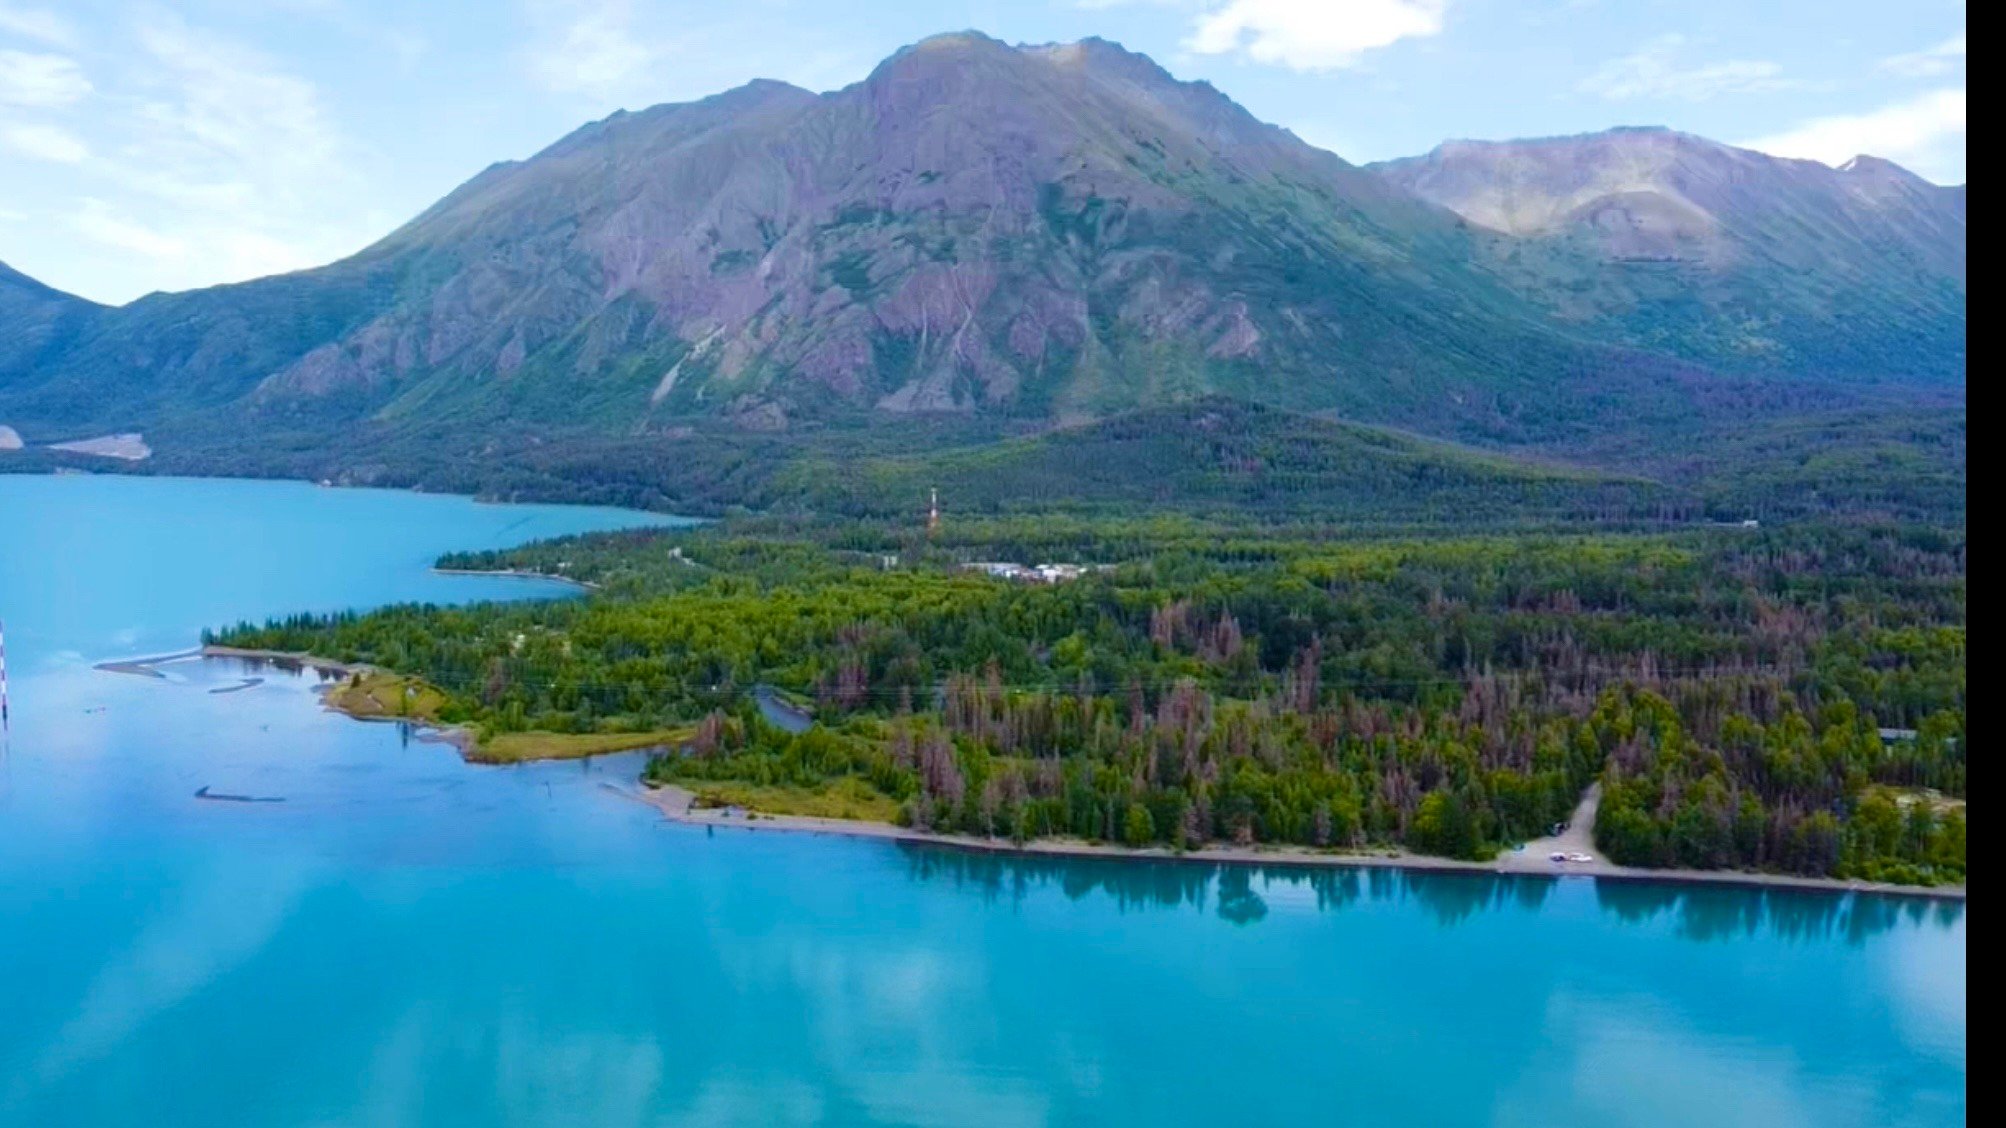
1577	837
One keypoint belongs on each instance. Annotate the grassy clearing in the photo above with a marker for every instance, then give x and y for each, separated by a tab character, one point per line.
845	798
519	747
375	694
379	695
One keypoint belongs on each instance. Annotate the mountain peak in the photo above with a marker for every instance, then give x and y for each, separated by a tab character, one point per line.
1627	138
1545	185
1640	189
1091	51
1880	168
945	49
1679	206
964	40
760	90
1094	55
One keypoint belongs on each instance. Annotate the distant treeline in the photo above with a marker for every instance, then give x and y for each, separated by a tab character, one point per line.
1215	458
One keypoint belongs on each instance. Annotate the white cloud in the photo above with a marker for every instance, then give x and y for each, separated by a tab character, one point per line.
1655	72
589	49
230	137
408	46
30	79
1925	134
382	31
191	252
43	142
37	24
218	164
178	950
101	223
226	101
1310	35
1929	62
609	53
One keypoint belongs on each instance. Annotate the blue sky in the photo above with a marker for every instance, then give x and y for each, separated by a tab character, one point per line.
148	145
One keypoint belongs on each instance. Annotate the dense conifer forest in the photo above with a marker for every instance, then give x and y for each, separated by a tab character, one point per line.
1788	700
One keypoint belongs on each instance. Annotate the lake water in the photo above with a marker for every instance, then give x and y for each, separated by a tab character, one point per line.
408	940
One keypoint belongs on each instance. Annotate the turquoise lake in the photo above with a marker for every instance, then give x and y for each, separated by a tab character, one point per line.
410	940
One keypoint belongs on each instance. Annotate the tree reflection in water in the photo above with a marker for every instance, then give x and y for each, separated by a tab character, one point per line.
1240	894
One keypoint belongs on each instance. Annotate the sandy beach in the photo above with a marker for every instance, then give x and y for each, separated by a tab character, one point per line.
678	805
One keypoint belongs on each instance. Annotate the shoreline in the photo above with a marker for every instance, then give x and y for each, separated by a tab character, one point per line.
516	574
462	737
281	658
676	805
430	732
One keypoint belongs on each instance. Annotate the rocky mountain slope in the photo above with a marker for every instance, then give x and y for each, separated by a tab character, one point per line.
1723	255
1027	236
1052	232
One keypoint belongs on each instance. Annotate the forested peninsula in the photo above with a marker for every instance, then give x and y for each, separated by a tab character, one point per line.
1787	701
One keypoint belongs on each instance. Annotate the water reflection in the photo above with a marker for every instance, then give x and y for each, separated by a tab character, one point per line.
1710	913
1237	900
1236	893
1241	894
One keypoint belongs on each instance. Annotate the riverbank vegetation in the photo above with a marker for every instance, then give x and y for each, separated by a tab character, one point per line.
1226	680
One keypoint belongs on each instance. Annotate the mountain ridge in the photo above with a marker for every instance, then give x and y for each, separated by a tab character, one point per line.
1737	257
589	257
1022	235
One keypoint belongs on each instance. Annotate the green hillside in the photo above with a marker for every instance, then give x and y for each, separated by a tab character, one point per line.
1223	456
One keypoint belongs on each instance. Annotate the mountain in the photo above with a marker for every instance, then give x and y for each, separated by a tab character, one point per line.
36	320
1725	256
981	241
1052	232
